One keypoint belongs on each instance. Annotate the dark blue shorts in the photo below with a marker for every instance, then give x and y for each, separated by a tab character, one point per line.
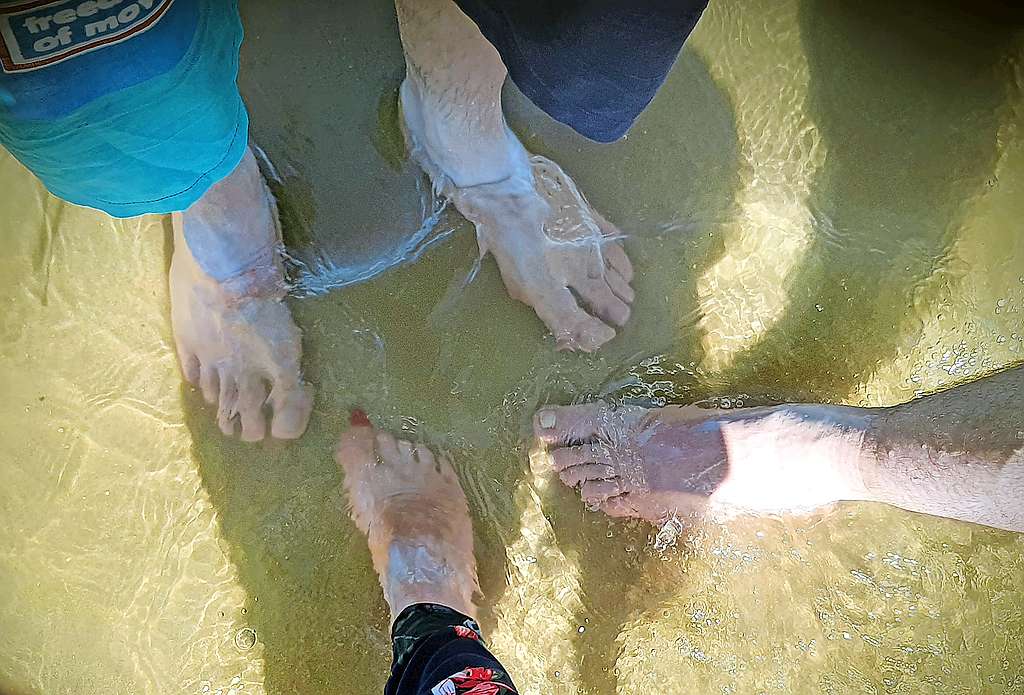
594	65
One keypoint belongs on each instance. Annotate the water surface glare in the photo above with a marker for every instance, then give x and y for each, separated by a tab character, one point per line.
824	203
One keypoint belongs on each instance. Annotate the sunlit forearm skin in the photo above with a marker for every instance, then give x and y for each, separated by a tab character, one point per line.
957	454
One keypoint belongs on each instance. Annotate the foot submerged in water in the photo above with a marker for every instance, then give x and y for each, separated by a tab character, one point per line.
656	464
413	511
236	337
555	252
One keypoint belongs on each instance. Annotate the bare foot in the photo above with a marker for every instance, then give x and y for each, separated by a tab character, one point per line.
681	461
235	337
554	251
409	504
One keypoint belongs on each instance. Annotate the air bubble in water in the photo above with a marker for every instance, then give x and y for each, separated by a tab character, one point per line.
245	639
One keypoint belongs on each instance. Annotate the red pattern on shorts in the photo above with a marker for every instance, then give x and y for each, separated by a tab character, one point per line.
473	681
463	631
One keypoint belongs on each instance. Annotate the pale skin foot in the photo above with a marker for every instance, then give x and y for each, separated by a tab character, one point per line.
683	461
957	454
554	251
409	503
235	337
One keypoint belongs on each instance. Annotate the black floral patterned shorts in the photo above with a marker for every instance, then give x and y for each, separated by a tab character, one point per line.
439	651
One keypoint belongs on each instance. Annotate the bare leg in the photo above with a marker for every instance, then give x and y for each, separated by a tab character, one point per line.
958	454
409	504
656	464
234	334
555	253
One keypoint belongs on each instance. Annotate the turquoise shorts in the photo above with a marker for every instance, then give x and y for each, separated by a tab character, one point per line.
130	107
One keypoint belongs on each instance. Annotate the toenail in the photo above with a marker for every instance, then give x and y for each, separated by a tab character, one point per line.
547	419
359	419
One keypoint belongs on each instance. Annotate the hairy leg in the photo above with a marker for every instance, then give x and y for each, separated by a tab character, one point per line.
680	461
234	334
957	454
554	251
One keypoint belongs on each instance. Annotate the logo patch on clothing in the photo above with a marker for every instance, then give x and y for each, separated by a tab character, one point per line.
40	33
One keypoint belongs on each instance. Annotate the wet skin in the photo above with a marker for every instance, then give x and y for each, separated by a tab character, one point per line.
957	454
236	339
408	502
555	252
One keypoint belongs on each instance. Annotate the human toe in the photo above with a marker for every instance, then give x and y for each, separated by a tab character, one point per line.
615	257
252	396
573	328
619	285
209	382
620	506
561	425
292	407
387	449
425	456
589	452
597	492
405	453
579	475
599	297
586	336
227	402
189	365
357	445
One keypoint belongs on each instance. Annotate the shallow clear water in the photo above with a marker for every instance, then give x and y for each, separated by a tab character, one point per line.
824	202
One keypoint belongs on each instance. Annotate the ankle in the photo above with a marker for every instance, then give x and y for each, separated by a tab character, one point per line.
424	573
231	234
473	149
258	275
398	600
812	450
264	280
